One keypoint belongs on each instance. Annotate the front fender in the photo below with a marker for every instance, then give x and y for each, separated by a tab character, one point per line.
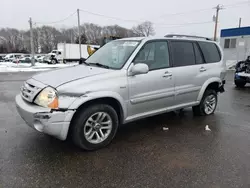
204	87
98	95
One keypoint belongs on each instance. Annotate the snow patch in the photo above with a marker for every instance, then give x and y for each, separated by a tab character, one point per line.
26	67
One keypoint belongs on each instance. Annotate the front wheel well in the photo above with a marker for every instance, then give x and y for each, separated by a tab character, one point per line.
106	100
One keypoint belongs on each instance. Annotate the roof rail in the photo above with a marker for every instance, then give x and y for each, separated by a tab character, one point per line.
187	36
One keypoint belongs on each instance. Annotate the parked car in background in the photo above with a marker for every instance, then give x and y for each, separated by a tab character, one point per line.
25	55
13	57
40	59
123	81
25	60
2	58
242	73
37	56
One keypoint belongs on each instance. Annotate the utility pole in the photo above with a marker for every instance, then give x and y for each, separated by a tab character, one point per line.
240	22
32	43
79	33
218	8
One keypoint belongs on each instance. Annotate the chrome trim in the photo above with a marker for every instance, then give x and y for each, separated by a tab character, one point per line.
30	89
187	90
152	97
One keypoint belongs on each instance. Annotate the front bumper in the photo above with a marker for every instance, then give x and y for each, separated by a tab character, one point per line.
54	123
242	76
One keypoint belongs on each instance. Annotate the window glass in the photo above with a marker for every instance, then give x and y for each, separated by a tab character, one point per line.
114	54
210	52
233	43
198	55
230	43
183	53
154	54
227	43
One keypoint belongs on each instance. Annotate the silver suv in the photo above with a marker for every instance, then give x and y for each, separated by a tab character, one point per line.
125	80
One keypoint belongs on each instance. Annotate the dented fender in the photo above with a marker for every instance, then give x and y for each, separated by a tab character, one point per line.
98	95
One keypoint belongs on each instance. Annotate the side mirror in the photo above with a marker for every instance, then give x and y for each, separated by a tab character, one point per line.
140	68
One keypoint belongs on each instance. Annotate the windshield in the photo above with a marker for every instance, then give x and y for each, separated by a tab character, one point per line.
114	54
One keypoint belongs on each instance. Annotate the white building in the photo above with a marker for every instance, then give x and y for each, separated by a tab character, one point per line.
236	44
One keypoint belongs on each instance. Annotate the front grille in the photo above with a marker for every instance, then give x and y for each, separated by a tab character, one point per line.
29	91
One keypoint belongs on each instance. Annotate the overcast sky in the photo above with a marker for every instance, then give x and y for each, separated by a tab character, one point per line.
15	13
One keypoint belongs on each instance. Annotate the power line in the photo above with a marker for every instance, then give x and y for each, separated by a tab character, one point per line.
204	9
159	24
236	4
111	17
185	24
187	12
62	20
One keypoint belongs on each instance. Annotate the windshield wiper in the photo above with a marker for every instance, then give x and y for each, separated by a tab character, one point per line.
99	65
82	61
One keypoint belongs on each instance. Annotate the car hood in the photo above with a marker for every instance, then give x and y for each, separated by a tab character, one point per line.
58	77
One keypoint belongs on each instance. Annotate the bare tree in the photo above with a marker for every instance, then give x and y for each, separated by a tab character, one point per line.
49	37
116	30
92	32
46	38
69	35
144	29
83	39
13	39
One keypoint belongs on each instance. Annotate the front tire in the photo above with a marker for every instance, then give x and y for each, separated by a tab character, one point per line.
94	127
240	83
207	105
53	61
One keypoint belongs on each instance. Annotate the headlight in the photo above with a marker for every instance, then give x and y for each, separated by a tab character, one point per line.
47	98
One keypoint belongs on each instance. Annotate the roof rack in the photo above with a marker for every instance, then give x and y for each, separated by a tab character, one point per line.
187	36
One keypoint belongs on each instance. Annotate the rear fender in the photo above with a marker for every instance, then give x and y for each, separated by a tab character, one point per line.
205	85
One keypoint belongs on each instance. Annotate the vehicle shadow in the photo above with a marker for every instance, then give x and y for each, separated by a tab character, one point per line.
132	133
133	140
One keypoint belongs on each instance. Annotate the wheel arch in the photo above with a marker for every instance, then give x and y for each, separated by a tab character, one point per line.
212	83
112	99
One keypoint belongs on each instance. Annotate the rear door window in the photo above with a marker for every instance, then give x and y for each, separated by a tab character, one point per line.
198	55
183	53
210	51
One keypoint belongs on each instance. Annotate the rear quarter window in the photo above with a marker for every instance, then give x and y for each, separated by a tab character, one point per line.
210	51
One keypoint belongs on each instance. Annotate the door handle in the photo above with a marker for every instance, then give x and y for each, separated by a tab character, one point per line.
167	74
203	69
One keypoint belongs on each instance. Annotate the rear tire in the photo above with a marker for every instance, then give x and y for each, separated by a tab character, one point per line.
90	132
207	105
